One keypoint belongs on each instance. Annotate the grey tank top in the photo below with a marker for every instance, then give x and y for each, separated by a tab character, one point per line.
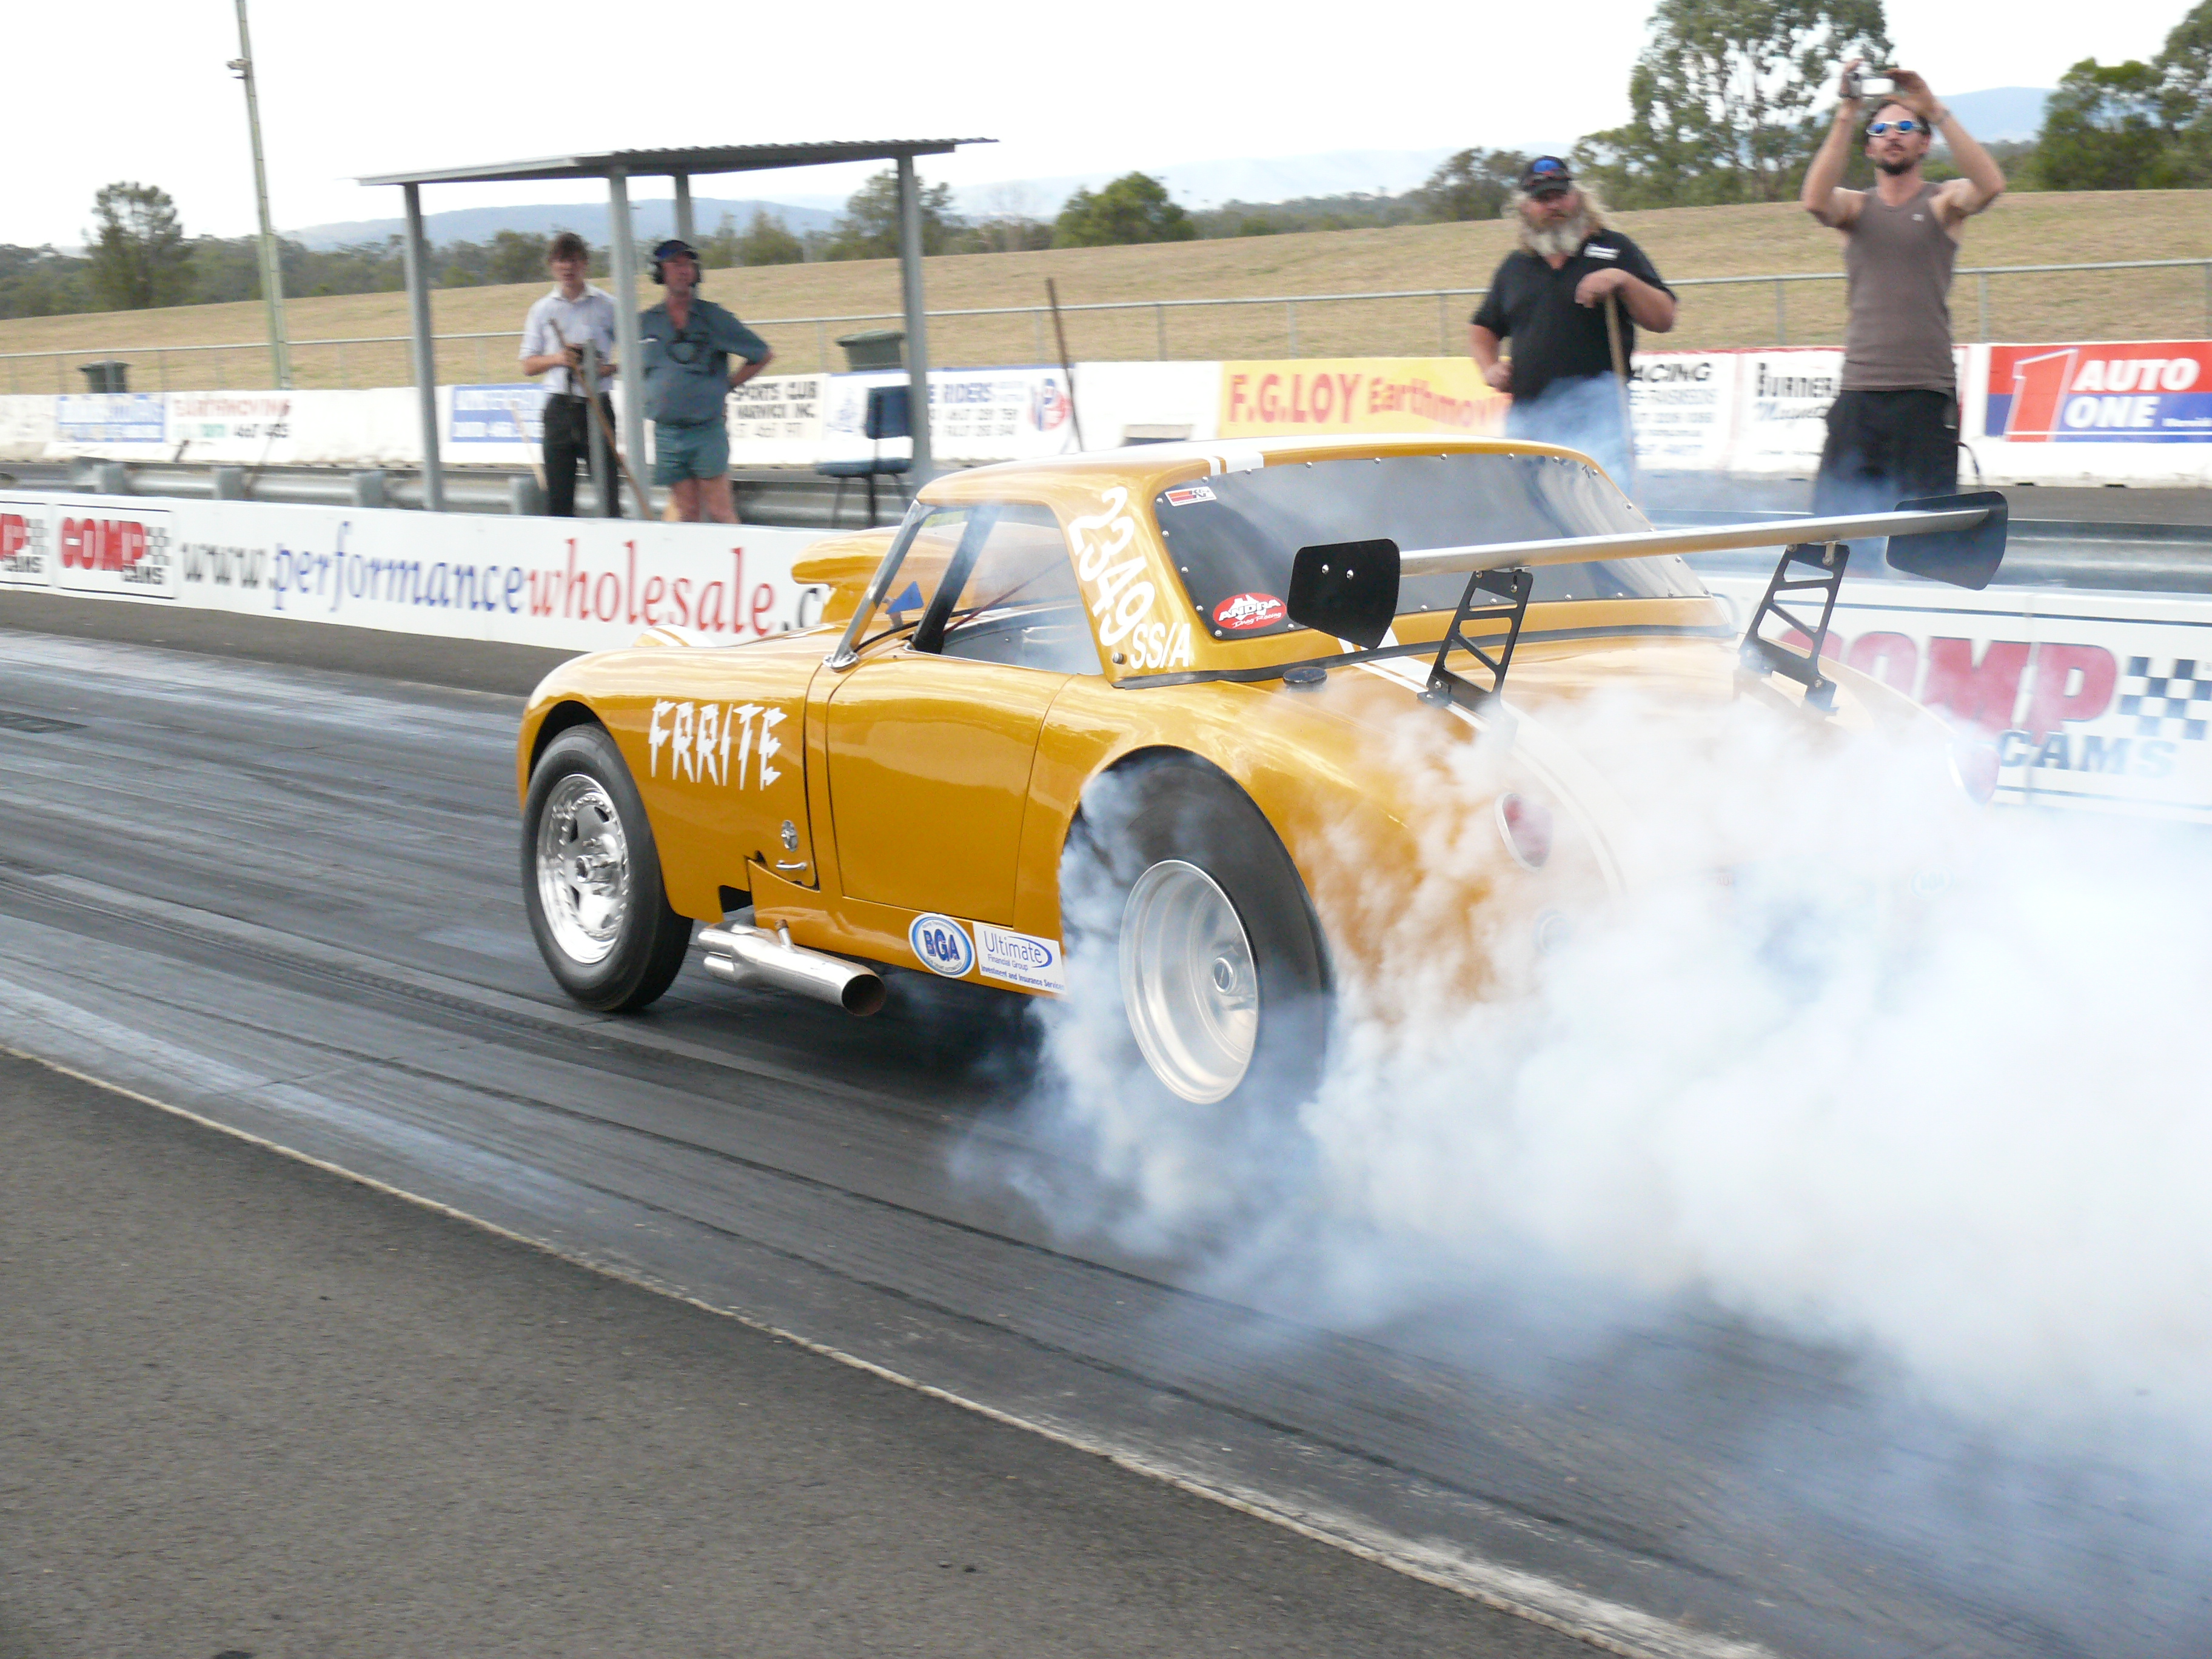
1898	261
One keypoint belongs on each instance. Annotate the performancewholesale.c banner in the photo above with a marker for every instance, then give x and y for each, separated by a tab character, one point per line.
589	584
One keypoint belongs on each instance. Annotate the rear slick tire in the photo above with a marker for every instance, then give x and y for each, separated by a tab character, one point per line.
1176	883
590	878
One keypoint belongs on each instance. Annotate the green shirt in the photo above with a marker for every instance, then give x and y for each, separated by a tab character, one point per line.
687	370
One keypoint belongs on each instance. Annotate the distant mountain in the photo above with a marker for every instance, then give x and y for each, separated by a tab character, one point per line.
653	219
1208	184
1997	113
2001	113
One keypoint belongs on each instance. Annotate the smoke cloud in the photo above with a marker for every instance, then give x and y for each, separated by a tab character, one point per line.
1842	1055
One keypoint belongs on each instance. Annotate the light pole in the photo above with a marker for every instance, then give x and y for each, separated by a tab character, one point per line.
272	272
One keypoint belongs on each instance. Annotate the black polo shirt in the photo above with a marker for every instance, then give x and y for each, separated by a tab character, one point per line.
1553	338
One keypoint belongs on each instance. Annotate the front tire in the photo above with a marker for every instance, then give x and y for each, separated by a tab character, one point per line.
1177	880
590	878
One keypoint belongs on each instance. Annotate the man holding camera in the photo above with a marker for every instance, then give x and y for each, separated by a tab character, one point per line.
688	378
560	325
1893	428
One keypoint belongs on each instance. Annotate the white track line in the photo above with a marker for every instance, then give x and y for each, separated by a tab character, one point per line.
1609	1626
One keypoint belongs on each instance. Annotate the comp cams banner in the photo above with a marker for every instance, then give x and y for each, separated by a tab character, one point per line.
2064	698
589	584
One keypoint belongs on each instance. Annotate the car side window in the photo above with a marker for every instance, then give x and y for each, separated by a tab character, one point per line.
1020	603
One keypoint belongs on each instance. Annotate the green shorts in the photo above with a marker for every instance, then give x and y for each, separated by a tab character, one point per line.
689	452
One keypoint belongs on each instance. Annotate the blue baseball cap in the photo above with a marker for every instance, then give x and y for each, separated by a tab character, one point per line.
1546	176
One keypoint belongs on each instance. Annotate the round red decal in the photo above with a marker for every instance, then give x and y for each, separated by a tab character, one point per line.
1240	611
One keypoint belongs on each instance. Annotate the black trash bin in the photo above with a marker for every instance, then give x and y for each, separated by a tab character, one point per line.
113	375
874	349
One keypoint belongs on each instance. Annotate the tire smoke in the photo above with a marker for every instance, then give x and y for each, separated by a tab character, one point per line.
1851	1060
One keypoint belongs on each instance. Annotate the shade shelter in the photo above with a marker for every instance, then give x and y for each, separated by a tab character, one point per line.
618	167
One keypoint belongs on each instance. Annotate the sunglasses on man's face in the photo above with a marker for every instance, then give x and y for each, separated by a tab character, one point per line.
1881	127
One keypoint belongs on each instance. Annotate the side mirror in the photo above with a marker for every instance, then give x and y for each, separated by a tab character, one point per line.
1349	589
1964	558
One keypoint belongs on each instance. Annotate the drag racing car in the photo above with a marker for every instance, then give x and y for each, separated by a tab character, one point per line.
1161	725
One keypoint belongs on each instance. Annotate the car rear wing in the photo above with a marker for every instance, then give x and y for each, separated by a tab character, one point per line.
1351	589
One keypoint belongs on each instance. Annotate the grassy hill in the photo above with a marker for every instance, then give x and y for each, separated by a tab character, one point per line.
2033	229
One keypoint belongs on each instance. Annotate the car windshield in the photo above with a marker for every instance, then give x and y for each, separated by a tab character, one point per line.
1232	536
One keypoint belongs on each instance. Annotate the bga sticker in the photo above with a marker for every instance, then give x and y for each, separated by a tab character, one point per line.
1240	611
943	944
1190	494
1021	958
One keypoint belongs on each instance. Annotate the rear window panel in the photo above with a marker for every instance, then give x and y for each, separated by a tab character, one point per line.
1231	536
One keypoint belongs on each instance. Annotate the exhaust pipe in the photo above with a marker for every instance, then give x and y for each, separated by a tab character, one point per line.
753	956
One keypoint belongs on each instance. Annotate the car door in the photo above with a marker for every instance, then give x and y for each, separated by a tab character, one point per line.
929	743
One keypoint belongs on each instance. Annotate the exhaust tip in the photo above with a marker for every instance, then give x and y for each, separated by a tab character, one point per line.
863	995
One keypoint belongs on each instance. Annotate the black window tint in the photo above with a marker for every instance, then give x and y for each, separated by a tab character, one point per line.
1236	533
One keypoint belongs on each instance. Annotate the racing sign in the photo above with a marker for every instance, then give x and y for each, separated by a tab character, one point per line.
2139	392
1683	405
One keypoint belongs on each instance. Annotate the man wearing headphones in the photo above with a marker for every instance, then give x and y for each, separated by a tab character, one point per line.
687	344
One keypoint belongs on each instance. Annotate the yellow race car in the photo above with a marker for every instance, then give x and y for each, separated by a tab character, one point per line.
1160	716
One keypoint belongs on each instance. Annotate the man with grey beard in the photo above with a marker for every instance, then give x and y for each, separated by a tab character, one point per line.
1550	297
1894	427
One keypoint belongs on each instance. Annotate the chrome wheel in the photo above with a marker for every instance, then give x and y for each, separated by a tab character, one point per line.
1188	982
583	869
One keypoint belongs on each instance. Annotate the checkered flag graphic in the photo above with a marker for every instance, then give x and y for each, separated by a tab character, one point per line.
2172	704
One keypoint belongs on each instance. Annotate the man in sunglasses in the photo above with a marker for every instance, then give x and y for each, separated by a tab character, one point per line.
1552	297
687	344
1893	428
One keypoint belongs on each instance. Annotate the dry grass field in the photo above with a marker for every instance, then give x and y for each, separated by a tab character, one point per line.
1688	242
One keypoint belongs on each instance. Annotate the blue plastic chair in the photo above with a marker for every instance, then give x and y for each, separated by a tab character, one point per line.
889	416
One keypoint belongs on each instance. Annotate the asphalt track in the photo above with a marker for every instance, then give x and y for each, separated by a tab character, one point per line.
282	897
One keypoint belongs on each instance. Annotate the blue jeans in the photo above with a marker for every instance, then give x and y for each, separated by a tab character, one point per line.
1585	414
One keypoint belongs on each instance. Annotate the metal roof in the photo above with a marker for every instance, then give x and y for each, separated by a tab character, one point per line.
713	158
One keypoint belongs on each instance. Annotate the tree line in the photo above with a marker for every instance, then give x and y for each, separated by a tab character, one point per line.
1728	101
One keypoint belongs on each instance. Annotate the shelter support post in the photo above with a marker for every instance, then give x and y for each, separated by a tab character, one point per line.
422	347
628	343
684	227
917	344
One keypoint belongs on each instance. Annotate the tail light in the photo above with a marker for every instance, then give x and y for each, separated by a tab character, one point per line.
1525	826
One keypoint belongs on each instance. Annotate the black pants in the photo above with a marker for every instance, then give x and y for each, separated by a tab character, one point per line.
1884	446
568	446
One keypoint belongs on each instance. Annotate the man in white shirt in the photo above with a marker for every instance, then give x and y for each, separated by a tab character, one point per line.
553	342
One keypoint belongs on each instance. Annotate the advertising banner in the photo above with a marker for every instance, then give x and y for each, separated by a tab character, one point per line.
2155	392
508	415
975	415
1785	396
95	545
776	420
1328	397
111	425
252	428
27	427
588	584
2066	698
1684	406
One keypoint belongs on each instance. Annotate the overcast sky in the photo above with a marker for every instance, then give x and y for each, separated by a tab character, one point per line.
138	89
